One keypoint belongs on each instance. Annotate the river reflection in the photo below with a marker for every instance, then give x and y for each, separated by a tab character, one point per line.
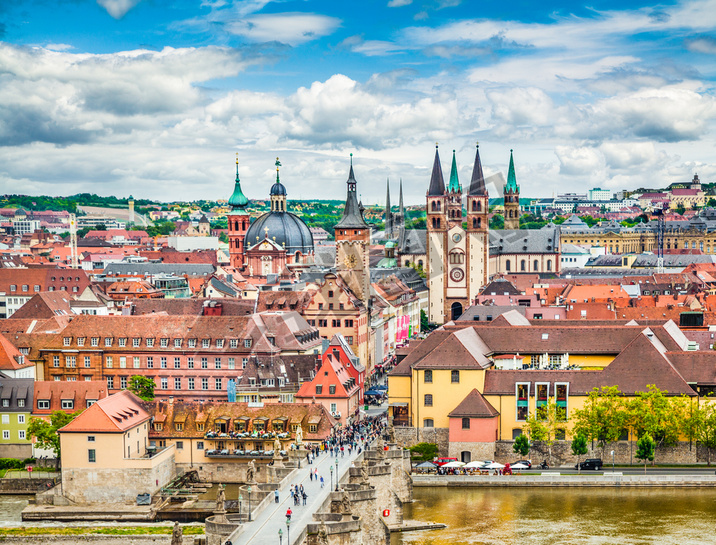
562	516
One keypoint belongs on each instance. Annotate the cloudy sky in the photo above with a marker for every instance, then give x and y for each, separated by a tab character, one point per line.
155	98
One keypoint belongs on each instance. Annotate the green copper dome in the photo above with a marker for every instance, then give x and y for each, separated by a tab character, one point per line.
238	200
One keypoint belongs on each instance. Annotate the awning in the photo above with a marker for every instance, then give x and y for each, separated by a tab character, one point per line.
374	393
398	404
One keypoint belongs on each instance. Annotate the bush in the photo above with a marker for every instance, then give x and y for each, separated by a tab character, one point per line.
29	462
424	452
11	463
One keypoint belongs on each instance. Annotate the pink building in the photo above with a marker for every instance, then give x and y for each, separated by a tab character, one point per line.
473	429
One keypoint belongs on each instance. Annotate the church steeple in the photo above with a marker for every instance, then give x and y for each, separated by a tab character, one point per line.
437	184
454	185
352	215
512	198
388	212
477	183
401	208
278	193
511	178
238	201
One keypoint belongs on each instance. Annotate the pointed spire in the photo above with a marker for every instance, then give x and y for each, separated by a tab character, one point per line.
387	196
238	200
352	214
401	209
477	183
454	185
437	184
511	178
388	212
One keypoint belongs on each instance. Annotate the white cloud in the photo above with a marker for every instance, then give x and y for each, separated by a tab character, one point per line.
578	161
399	3
288	28
118	8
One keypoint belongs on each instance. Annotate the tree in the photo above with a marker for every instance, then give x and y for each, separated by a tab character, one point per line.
700	425
603	418
545	424
223	237
45	433
579	448
522	445
645	448
424	323
656	415
142	387
497	222
424	452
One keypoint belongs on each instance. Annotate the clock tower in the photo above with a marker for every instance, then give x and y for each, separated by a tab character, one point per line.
352	243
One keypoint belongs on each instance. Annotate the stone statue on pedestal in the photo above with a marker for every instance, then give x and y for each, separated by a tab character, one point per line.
364	474
177	534
276	447
299	436
345	504
220	499
322	537
251	472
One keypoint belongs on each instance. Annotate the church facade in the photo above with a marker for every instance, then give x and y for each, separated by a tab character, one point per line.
457	241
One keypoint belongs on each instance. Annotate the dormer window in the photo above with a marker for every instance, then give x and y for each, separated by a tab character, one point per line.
158	426
177	343
68	403
80	341
192	343
136	342
95	341
66	341
234	343
219	343
164	343
150	343
122	342
247	343
205	343
108	341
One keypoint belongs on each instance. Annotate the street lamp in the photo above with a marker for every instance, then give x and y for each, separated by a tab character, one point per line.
280	536
241	498
612	461
288	531
249	491
331	467
336	473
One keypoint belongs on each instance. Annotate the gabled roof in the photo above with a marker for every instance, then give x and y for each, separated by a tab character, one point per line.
463	349
475	406
437	184
115	414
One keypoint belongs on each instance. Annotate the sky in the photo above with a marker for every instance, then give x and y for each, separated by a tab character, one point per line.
155	98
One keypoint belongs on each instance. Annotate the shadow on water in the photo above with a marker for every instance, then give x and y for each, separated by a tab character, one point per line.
552	516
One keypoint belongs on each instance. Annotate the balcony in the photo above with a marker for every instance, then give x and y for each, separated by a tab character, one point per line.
251	436
237	453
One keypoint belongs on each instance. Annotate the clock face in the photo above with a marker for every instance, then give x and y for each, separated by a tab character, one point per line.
457	274
350	261
456	237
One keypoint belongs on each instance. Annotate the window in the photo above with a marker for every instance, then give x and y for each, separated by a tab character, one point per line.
91	455
66	341
135	342
108	341
164	383
219	343
191	383
322	323
21	403
6	419
90	439
68	403
247	343
71	361
465	423
80	341
122	342
205	343
428	376
349	340
428	423
313	428
320	306
177	343
335	323
428	401
135	362
177	363
234	343
205	384
163	362
319	389
217	383
232	363
43	403
192	343
177	383
523	393
95	341
6	434
123	382
334	408
217	363
150	343
110	386
55	361
122	362
158	426
244	361
13	287
455	376
179	444
88	361
200	445
332	389
163	343
150	362
204	363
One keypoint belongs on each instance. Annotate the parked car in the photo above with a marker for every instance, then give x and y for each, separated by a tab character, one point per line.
442	461
523	462
590	463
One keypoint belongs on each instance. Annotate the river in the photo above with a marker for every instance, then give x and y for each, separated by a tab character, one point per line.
549	516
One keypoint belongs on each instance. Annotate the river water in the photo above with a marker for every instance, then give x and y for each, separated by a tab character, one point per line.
550	516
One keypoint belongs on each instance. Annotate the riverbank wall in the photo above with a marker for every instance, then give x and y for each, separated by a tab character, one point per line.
554	479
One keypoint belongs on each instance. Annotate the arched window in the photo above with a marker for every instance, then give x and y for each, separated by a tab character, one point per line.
479	206
507	265
420	262
536	265
479	223
474	223
432	207
549	264
523	265
455	311
298	257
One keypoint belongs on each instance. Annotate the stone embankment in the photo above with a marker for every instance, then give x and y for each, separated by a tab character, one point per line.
554	479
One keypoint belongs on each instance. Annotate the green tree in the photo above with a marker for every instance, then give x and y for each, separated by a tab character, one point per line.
700	425
522	445
424	323
223	237
603	417
579	448
424	452
142	387
655	414
497	222
546	424
45	433
645	448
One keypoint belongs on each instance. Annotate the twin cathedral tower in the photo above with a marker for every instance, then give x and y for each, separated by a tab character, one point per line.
457	244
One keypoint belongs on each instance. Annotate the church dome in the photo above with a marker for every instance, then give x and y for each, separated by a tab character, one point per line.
288	230
278	189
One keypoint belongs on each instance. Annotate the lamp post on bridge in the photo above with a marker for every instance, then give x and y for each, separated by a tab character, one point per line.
280	536
249	491
288	532
331	468
336	473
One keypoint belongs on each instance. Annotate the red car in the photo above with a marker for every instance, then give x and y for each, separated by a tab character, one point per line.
442	461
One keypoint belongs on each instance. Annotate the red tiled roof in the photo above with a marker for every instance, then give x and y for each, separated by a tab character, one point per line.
474	405
118	413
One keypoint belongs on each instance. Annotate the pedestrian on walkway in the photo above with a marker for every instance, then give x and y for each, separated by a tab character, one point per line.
288	514
321	482
310	475
275	495
305	497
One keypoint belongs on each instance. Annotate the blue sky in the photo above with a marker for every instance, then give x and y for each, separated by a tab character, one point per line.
154	98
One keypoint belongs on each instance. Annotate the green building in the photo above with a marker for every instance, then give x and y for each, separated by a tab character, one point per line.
15	408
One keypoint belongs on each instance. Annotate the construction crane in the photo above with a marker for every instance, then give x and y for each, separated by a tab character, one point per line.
73	241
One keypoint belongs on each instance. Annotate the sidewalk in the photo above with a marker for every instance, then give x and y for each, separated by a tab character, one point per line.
264	529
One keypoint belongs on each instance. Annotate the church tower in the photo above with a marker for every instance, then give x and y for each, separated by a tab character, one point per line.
352	235
401	209
457	257
454	196
512	198
238	220
477	230
388	213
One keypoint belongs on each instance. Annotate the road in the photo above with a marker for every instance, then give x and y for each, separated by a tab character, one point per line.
264	529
